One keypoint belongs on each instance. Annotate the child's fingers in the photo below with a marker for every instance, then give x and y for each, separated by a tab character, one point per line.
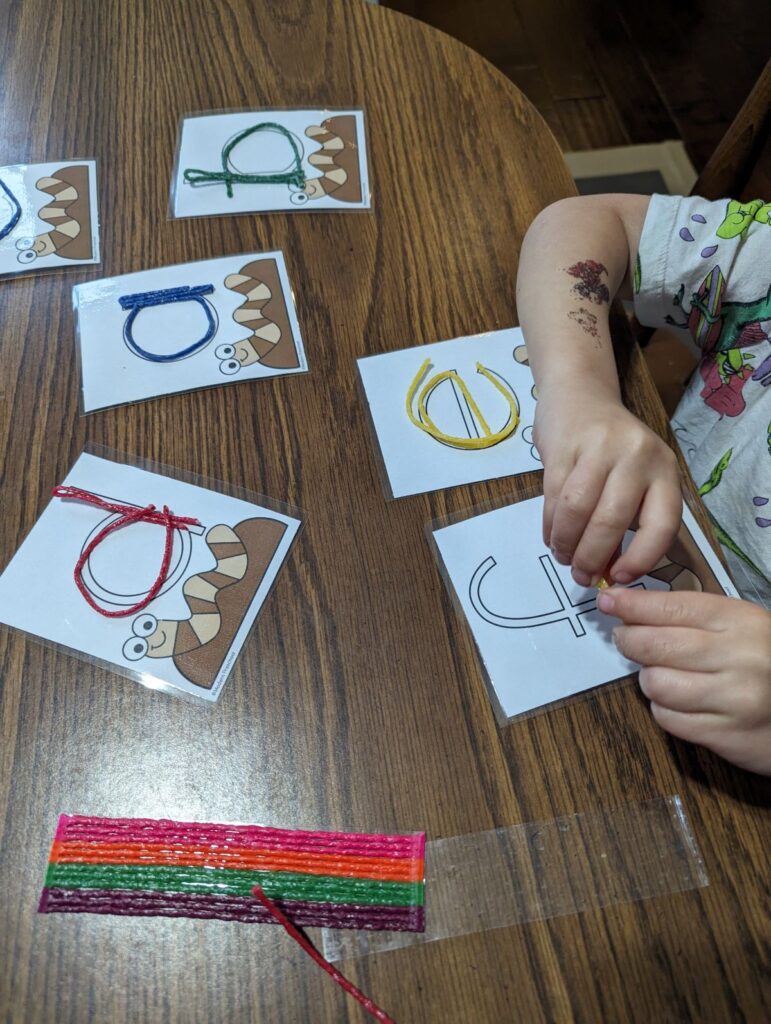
699	727
554	476
667	608
574	507
659	519
609	522
678	647
747	748
679	690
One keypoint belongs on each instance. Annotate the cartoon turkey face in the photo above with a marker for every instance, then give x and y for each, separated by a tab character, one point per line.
31	248
233	357
150	638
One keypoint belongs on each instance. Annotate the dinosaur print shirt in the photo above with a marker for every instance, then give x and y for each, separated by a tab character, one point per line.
706	268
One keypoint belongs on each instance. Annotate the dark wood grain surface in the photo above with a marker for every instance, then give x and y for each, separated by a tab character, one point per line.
358	702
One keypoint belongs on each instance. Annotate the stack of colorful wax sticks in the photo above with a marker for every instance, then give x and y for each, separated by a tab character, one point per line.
139	866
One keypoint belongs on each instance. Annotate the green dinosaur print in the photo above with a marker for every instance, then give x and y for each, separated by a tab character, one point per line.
735	316
716	475
732	362
739	216
731	544
727	541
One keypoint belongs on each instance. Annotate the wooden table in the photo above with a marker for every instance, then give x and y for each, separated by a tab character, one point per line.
358	702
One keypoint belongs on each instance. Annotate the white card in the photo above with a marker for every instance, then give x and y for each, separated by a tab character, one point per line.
194	325
539	634
189	636
48	216
317	160
419	459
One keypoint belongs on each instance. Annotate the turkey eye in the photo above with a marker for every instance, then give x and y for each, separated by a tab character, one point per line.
225	351
27	256
229	367
144	625
135	648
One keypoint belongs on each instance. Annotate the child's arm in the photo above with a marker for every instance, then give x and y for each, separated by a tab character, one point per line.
603	469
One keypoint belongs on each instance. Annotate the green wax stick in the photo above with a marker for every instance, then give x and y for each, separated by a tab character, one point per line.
234	882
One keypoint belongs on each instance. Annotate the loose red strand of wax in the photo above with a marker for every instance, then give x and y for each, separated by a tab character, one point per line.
128	514
325	965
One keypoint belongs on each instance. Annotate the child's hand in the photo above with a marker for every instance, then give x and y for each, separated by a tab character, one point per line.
604	470
707	667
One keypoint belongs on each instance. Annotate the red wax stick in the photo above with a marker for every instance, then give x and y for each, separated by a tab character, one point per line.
325	965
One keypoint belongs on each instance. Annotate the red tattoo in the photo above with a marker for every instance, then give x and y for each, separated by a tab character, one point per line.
585	320
589	286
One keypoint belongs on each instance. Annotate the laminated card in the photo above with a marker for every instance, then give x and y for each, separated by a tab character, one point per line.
452	412
88	576
48	216
539	634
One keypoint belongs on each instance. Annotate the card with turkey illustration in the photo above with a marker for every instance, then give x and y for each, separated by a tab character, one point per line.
48	216
540	636
255	161
190	326
452	412
83	576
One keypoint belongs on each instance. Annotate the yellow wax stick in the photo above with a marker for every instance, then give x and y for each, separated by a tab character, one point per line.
426	424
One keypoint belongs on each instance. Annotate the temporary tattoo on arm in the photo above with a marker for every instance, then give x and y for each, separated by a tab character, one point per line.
589	284
586	321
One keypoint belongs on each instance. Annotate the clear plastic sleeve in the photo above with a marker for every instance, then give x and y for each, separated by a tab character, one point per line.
239	161
186	327
49	217
543	869
540	638
220	572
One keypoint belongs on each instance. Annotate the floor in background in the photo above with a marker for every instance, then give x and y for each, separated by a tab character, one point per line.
617	72
661	167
